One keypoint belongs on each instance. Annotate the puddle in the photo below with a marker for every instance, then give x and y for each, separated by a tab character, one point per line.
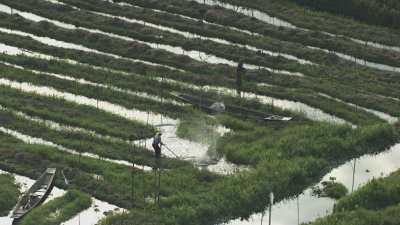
388	118
311	207
89	216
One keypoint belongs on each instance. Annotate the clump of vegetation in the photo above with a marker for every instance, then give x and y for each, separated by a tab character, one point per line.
58	210
8	193
377	194
375	203
330	189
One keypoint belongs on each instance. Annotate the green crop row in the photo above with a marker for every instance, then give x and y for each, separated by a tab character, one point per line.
59	209
283	39
8	193
321	21
82	18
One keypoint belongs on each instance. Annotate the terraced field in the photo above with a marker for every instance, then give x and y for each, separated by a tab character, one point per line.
85	85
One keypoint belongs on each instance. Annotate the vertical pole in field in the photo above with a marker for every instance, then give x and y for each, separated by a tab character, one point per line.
271	202
132	177
354	172
298	210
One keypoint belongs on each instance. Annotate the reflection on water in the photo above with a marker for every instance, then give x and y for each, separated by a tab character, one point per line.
311	207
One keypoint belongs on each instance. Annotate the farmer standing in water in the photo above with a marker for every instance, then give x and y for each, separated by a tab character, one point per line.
157	145
239	72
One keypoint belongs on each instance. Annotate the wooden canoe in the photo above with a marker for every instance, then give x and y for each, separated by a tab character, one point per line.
35	195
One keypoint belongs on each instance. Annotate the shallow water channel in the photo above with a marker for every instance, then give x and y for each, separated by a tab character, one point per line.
307	208
89	216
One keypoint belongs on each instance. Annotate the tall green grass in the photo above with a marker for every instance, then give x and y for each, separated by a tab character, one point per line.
8	193
59	209
378	202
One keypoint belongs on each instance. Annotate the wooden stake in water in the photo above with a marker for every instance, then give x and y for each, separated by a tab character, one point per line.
298	210
354	172
271	198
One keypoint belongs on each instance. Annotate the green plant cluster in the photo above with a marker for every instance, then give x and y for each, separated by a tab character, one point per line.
331	142
376	203
59	209
9	193
330	189
377	194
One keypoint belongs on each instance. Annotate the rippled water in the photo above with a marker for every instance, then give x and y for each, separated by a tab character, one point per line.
312	207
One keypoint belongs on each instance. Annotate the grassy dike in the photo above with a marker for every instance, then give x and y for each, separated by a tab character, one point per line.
286	36
302	154
59	209
375	203
8	193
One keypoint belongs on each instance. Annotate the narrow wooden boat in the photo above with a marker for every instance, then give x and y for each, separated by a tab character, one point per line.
35	195
211	106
